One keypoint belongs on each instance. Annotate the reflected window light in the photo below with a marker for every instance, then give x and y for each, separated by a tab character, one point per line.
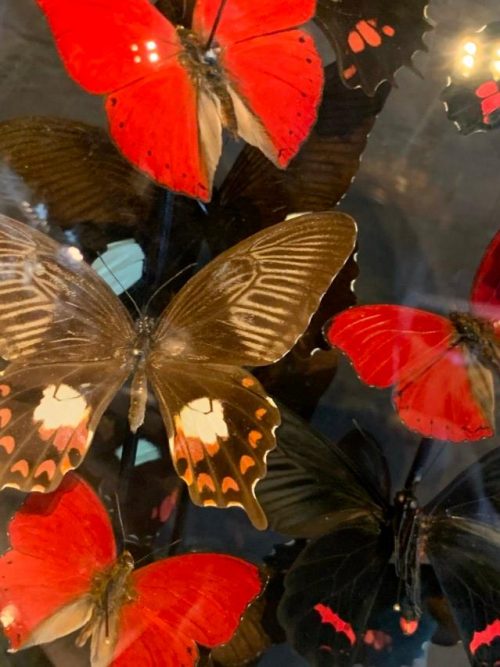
470	48
154	57
151	46
137	59
468	61
134	47
496	67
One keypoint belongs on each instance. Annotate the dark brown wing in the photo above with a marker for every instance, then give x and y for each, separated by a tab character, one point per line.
63	342
75	171
221	426
251	304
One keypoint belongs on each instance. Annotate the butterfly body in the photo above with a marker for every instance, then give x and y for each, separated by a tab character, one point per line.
479	336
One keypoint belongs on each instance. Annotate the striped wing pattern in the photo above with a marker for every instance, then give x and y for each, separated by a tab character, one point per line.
60	326
246	308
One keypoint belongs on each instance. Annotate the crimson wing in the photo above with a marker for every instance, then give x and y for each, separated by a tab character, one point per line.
60	327
181	602
373	38
59	542
440	389
246	308
485	293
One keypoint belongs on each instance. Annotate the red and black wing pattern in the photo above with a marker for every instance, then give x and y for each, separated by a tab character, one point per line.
331	589
246	308
373	38
461	538
62	343
485	293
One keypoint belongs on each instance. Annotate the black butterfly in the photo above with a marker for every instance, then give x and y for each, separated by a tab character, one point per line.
68	344
472	96
339	495
373	38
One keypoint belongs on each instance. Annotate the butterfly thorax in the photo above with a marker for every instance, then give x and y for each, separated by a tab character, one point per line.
110	590
407	522
204	68
477	335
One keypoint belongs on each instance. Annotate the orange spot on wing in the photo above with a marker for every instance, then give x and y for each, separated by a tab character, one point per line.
212	448
21	467
48	467
388	30
188	476
350	72
205	481
248	382
8	443
246	462
228	483
254	437
355	42
66	464
5	417
187	448
4	390
260	413
369	34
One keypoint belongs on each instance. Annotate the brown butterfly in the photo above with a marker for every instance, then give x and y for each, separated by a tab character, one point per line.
68	345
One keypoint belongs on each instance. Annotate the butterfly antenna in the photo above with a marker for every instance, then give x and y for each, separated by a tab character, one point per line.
215	25
159	289
157	550
125	291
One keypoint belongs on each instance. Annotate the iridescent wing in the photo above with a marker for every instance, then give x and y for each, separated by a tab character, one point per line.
63	345
246	308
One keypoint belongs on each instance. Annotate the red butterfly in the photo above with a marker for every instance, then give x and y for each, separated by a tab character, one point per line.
63	574
170	90
438	366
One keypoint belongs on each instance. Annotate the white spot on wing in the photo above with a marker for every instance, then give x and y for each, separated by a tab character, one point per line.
60	406
204	418
8	615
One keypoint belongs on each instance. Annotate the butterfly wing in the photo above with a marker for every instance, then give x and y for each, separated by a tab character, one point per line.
181	602
63	347
58	541
331	589
247	307
274	72
485	294
130	52
373	38
313	485
462	540
418	352
75	172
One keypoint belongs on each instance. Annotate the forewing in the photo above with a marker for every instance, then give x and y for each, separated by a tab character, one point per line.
373	38
464	554
330	591
452	399
485	295
251	304
59	541
386	343
106	46
313	485
221	426
181	602
55	308
256	192
75	171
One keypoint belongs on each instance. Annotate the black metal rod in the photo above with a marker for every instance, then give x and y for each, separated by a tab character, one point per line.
215	25
179	521
419	463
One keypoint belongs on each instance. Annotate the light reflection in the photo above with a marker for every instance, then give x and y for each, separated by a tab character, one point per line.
468	61
154	57
470	48
151	46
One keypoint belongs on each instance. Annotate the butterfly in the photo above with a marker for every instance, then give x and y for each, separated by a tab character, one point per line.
171	89
338	496
472	96
68	344
62	573
372	39
439	367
